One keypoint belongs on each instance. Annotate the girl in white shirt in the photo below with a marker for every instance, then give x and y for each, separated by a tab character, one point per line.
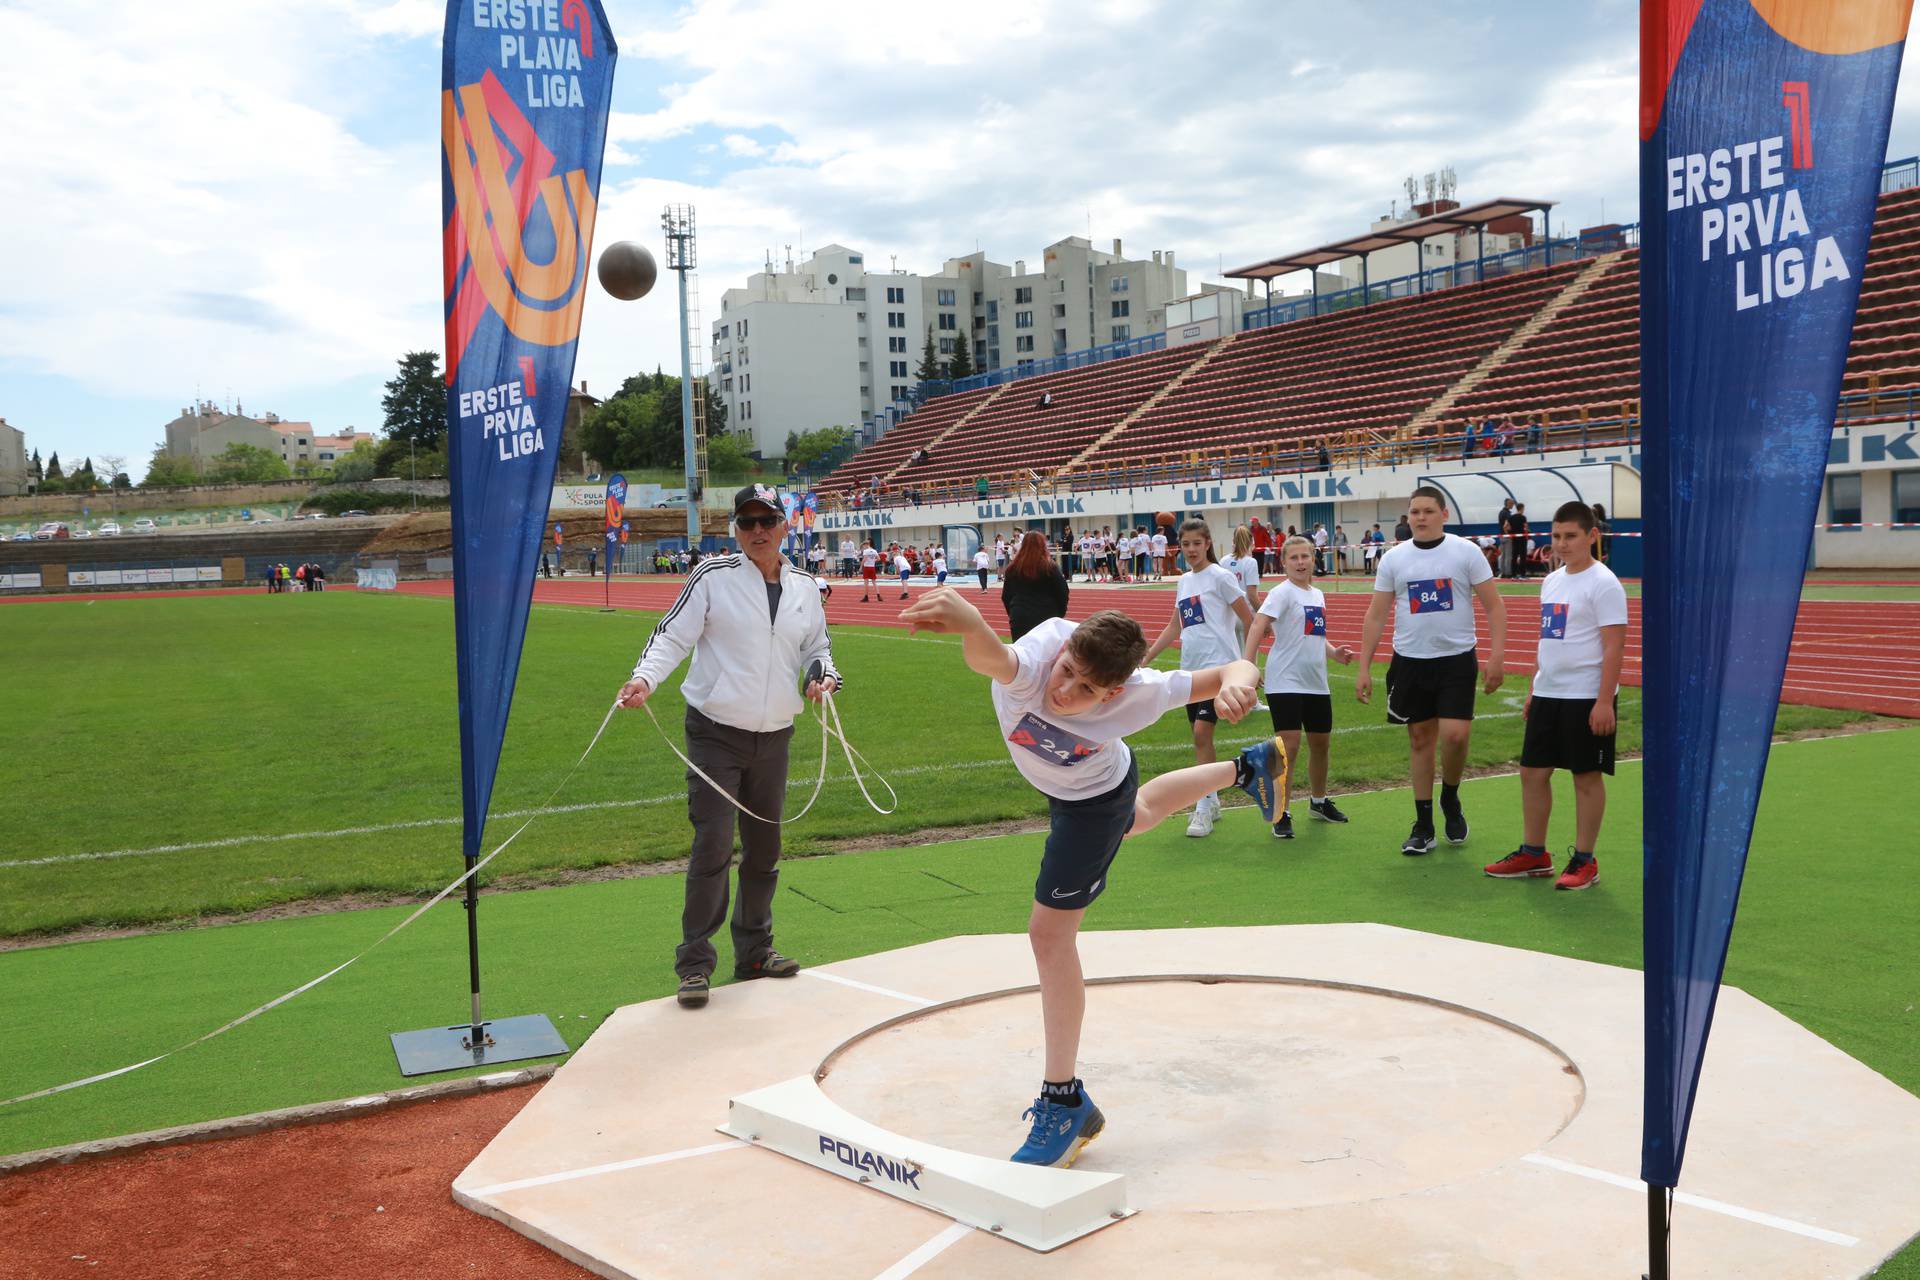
1243	565
1207	601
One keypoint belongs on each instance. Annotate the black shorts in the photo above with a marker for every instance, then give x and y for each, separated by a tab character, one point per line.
1310	711
1432	688
1202	711
1558	737
1081	844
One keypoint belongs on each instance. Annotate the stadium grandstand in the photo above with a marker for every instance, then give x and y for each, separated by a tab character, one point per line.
1554	344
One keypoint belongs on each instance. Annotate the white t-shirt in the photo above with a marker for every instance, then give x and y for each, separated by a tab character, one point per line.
1159	544
940	563
1297	663
1320	537
999	552
846	548
980	559
902	565
1245	568
1441	580
1081	756
1573	608
1086	545
1205	599
1142	544
869	557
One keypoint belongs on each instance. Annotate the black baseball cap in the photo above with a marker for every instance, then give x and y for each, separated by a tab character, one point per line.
766	495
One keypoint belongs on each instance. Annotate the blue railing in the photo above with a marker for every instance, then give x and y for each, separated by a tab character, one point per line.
1898	175
1053	364
1533	257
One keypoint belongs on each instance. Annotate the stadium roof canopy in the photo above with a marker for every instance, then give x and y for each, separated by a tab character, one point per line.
1471	217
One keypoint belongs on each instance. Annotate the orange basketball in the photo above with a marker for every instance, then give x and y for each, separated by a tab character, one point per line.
1164	519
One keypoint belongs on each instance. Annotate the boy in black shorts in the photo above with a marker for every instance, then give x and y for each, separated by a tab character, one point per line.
1570	713
1428	585
1066	697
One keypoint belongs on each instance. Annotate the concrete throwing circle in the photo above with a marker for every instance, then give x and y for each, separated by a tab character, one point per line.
1229	1093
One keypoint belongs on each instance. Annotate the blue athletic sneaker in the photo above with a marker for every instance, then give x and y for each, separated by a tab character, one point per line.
1059	1132
1265	763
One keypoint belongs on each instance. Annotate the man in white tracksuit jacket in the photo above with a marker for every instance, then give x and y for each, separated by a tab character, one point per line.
753	623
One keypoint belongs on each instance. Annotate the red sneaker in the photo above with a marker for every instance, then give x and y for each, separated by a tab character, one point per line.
1518	865
1579	877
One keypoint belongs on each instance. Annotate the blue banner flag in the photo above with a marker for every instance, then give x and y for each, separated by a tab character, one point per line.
523	120
1763	126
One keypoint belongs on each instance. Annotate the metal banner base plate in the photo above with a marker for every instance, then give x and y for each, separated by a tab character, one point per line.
449	1048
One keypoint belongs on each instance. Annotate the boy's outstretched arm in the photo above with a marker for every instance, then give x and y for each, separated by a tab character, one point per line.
1231	687
945	610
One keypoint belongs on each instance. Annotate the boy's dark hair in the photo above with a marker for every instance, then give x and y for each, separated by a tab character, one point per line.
1108	646
1575	512
1428	491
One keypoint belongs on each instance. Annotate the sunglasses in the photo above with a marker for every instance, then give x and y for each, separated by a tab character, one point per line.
757	522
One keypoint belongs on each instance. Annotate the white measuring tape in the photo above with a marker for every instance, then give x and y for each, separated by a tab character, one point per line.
835	731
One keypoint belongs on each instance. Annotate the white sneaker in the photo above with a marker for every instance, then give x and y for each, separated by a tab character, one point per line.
1202	821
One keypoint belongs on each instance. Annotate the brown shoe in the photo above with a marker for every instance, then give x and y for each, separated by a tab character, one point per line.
771	965
693	991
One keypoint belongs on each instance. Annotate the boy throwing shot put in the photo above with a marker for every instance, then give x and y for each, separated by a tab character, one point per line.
1571	711
1066	697
1297	694
1424	583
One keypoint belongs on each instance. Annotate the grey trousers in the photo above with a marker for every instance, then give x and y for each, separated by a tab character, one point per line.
753	769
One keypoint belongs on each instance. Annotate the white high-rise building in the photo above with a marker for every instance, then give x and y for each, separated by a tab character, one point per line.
831	342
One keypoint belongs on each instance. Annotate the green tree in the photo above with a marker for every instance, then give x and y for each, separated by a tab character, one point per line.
805	452
727	456
793	446
38	471
356	466
53	467
416	401
246	464
121	480
82	479
929	369
165	471
961	366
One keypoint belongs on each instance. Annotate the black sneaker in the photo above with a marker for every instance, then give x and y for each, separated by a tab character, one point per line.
693	991
770	965
1456	825
1283	829
1325	810
1419	840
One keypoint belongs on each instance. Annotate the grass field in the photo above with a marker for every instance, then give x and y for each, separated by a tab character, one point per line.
239	752
237	724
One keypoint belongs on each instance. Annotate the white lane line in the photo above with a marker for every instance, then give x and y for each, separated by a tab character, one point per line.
855	983
547	1179
927	1252
590	806
1698	1202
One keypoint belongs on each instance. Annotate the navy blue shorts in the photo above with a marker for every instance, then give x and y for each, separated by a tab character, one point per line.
1081	845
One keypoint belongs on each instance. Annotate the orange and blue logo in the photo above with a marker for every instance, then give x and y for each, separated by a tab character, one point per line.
505	191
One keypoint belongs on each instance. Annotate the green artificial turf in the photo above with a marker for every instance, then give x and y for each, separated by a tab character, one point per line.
577	952
245	751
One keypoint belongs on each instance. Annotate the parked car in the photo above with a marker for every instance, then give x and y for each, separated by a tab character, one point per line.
145	525
83	533
345	514
109	530
51	530
23	536
314	515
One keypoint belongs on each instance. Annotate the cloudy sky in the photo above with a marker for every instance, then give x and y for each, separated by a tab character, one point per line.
244	200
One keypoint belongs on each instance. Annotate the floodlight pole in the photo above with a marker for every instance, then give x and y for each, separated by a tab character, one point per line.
682	256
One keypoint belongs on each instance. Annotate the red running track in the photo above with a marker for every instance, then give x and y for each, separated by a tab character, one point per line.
1862	656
